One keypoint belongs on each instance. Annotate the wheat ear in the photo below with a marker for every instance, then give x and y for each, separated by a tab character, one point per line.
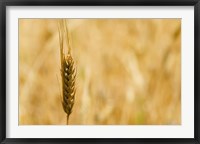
68	73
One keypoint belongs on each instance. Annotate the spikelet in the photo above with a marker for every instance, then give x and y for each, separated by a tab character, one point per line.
68	81
68	73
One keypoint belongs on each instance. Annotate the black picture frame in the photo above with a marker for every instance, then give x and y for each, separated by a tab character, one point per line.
5	3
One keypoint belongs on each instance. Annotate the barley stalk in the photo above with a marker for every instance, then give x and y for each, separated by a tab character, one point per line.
68	73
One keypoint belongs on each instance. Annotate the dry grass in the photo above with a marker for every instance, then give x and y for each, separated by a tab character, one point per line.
128	71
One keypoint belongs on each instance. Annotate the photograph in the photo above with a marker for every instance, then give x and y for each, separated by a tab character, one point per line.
99	71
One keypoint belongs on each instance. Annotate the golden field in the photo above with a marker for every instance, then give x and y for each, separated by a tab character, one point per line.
128	72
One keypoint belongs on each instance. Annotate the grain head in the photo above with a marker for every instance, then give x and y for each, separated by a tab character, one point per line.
68	73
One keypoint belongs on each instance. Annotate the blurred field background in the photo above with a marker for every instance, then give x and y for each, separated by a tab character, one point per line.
128	72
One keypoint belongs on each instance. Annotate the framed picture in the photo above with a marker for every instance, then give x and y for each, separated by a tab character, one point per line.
99	71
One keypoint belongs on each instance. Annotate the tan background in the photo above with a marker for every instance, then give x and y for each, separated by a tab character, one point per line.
128	71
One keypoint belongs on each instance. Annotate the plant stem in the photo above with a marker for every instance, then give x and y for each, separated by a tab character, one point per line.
67	119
